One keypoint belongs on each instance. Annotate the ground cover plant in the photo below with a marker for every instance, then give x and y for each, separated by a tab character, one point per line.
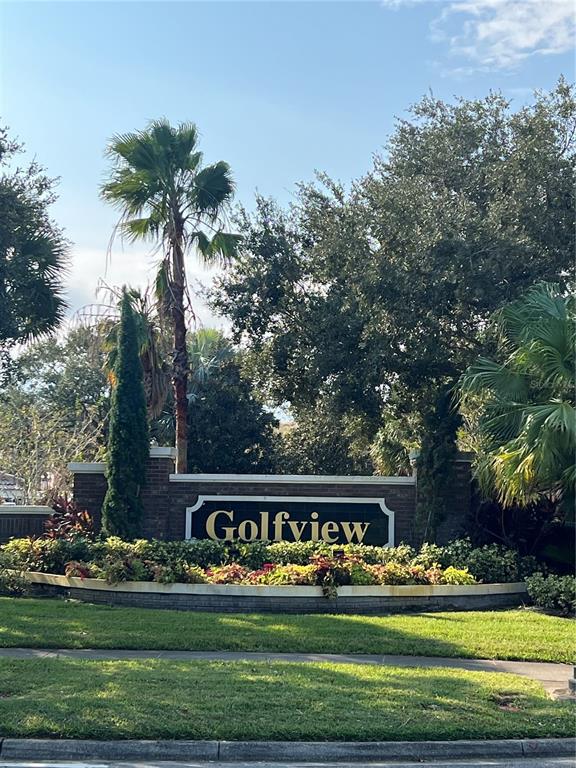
511	634
283	563
260	700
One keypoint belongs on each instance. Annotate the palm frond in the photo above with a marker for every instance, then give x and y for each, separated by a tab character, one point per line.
213	186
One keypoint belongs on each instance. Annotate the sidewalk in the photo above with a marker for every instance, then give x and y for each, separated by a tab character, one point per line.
553	677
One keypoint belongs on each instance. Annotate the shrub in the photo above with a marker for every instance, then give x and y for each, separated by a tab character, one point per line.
361	575
227	574
12	582
168	574
430	555
493	563
294	552
555	593
402	554
435	575
391	573
457	576
252	555
46	555
115	569
195	575
78	569
202	552
290	575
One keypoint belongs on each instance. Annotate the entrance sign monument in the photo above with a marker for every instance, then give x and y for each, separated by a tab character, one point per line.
335	509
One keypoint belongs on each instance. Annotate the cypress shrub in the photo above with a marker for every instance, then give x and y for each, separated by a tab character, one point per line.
128	442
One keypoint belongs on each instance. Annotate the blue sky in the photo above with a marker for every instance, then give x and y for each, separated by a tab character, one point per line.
278	89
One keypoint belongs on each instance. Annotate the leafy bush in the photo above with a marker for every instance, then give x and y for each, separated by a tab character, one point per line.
291	575
47	555
12	581
361	575
251	555
78	569
195	575
457	576
122	568
294	552
197	561
555	593
227	574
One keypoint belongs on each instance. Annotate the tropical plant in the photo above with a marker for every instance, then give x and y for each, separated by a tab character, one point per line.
166	196
128	444
526	426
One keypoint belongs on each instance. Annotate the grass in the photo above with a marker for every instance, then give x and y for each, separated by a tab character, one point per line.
513	634
242	700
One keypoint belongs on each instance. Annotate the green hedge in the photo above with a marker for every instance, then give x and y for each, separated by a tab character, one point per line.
174	561
555	593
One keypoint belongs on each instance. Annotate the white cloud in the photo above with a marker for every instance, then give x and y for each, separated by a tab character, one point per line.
89	268
499	34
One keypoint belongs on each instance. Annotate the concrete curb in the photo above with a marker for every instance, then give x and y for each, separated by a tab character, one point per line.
276	751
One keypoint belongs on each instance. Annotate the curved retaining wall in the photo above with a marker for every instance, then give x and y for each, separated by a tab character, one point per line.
233	598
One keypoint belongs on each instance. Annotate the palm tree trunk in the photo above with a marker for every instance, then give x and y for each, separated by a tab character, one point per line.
180	363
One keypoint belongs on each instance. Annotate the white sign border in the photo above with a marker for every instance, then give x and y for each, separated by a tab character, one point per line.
313	499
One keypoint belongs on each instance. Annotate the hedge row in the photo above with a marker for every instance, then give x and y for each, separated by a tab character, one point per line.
117	560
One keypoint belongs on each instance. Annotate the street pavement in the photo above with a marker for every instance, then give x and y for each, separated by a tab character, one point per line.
550	762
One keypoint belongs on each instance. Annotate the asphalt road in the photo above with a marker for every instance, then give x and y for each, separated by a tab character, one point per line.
551	762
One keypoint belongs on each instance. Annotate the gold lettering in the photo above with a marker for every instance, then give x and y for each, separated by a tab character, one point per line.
328	529
211	525
297	531
264	522
355	529
279	519
314	527
243	533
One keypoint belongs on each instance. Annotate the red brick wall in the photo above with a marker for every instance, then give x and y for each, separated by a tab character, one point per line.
165	502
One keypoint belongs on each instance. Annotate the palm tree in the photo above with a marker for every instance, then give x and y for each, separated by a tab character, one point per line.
525	400
166	196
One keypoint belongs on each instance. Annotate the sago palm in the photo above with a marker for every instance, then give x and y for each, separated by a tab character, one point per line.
165	195
527	417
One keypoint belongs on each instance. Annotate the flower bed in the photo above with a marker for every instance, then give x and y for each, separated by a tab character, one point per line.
267	564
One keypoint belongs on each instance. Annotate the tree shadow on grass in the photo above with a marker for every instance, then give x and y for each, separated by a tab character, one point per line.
276	701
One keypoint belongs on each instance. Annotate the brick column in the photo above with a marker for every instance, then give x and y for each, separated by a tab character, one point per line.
90	489
156	494
457	520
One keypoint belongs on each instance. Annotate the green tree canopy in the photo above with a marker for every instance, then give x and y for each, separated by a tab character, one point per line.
229	430
33	251
53	410
377	298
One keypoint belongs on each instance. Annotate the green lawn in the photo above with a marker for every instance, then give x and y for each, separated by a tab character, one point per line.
514	634
282	701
